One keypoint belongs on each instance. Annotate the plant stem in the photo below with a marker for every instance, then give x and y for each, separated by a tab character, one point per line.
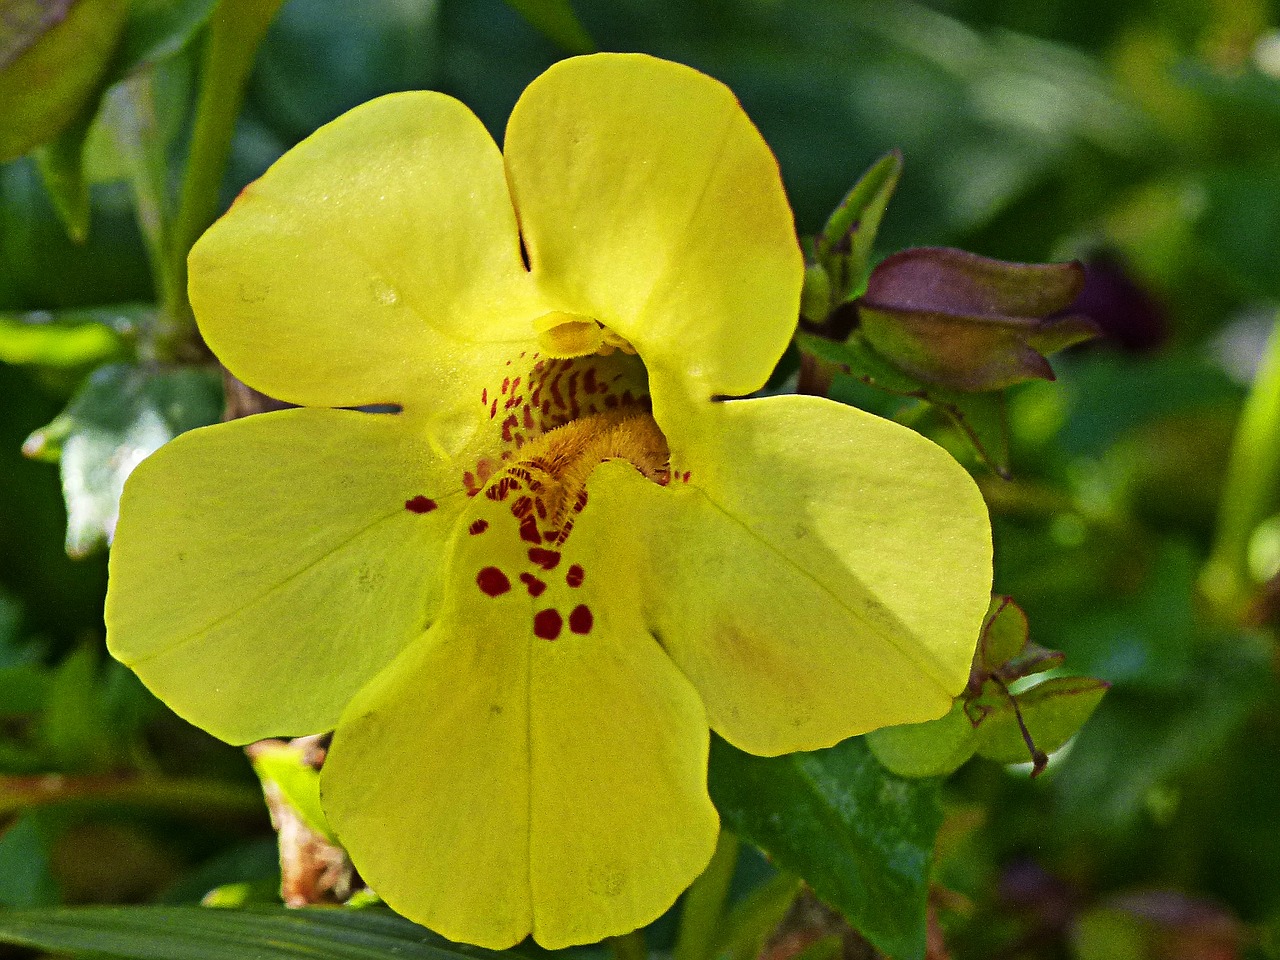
1252	482
705	900
630	946
236	30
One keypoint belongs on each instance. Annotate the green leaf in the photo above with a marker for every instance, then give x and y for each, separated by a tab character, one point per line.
197	933
844	245
61	166
25	877
979	416
1053	712
53	57
933	749
556	21
157	29
68	338
861	837
121	414
23	690
753	919
74	728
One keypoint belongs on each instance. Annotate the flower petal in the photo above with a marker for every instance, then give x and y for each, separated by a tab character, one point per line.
549	763
817	572
264	569
377	253
648	201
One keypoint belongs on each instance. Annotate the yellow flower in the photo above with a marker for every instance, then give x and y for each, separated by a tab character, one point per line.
522	599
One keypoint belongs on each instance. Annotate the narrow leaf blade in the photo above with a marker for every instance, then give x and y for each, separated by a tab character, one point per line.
198	933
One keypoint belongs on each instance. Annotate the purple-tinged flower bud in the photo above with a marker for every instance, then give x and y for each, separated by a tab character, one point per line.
969	322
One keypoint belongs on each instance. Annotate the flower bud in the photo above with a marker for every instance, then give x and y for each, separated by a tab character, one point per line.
971	323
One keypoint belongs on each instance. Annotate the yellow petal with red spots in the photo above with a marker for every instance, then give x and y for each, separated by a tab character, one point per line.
549	759
265	569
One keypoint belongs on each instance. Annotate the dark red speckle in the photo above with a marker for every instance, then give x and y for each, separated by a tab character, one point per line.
546	559
575	576
580	619
478	527
529	534
493	581
533	584
547	624
420	504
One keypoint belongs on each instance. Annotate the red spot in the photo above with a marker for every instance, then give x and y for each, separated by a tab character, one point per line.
469	480
529	534
555	392
575	576
493	409
589	380
507	424
534	585
546	559
580	620
493	581
547	624
513	401
542	509
478	527
528	418
550	536
684	477
522	508
420	504
506	382
484	397
515	384
580	503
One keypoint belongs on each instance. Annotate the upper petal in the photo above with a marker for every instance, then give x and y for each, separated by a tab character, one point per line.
815	571
265	569
370	263
648	201
536	764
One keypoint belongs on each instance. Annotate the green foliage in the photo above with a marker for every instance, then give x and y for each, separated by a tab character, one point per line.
858	835
121	414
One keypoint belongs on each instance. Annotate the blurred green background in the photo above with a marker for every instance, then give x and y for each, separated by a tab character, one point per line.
1140	136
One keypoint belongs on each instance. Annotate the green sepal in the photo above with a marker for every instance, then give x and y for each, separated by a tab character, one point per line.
933	749
1052	711
1004	634
843	248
